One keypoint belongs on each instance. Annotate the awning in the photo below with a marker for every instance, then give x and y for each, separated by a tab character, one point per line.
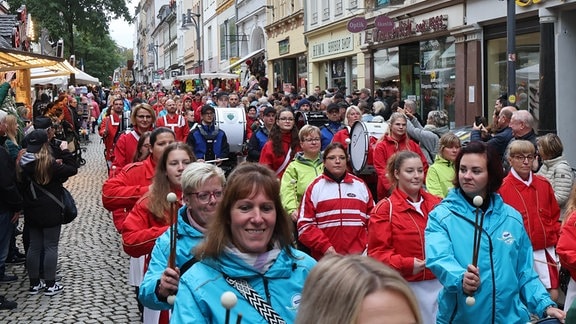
56	73
242	60
208	75
12	60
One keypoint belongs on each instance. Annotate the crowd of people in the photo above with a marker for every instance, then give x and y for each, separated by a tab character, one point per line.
272	229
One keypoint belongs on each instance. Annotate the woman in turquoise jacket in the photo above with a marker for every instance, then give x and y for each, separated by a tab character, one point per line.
247	251
202	187
504	283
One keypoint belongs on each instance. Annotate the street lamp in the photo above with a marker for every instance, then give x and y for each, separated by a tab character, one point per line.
154	48
193	19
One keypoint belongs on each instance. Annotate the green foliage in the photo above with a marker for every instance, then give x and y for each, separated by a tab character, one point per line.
83	25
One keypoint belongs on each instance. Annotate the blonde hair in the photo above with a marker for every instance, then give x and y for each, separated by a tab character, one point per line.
519	147
448	140
330	296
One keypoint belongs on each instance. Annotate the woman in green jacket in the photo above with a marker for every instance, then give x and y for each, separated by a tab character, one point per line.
441	173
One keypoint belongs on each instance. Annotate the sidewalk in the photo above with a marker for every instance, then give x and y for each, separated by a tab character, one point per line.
91	262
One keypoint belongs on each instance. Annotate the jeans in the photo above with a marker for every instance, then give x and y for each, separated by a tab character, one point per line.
43	239
6	229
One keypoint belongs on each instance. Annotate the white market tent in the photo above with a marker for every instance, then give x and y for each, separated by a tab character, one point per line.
49	75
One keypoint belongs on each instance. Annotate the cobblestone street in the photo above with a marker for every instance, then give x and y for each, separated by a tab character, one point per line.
91	262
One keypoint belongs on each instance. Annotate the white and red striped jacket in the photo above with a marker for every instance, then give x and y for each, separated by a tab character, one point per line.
335	214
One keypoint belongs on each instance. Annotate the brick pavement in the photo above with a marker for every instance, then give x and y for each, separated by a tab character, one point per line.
91	262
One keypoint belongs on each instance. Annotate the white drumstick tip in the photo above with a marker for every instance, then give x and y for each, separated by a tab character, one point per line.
470	301
478	201
228	299
171	197
171	299
347	141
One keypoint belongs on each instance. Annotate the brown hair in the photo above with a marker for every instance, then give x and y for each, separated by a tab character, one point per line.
247	180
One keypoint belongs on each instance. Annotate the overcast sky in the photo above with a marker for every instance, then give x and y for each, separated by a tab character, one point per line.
122	33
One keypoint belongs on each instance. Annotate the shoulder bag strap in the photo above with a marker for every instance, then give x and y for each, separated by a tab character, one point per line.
49	194
255	300
285	163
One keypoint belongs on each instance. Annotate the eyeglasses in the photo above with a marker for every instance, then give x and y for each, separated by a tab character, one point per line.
204	196
312	140
285	119
522	158
144	116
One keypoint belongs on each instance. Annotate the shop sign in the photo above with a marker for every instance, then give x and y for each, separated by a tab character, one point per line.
356	25
407	28
524	3
384	23
333	46
284	46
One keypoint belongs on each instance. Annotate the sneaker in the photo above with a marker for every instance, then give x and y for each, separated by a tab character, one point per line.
51	291
36	289
7	304
8	279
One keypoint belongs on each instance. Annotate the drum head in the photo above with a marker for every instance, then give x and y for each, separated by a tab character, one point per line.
233	122
358	147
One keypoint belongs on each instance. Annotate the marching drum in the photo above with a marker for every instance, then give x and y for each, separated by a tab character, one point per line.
233	122
315	118
363	136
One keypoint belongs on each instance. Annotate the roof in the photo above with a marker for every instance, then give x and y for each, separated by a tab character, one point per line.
7	23
12	59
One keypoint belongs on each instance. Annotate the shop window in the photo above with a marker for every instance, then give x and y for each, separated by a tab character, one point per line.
338	73
527	72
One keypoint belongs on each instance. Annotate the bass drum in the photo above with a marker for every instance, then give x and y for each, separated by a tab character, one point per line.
315	118
363	137
233	122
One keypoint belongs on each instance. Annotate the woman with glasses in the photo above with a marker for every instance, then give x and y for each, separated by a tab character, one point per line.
202	187
143	119
333	215
307	165
533	196
150	216
283	143
247	251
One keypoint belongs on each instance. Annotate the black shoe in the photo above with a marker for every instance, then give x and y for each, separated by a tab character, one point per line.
7	304
8	279
17	259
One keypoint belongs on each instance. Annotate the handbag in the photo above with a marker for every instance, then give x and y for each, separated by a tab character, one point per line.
255	300
68	205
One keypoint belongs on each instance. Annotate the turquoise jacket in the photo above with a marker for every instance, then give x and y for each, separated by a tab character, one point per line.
198	298
510	288
298	175
439	177
187	239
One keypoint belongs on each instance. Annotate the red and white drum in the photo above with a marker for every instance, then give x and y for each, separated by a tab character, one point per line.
233	122
363	136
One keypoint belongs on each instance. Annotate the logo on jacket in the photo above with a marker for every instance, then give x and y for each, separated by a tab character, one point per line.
295	302
351	194
507	238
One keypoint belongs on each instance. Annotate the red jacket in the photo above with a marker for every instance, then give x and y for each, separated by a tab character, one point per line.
141	228
176	123
566	247
121	192
107	131
538	206
335	215
399	238
275	162
125	149
197	107
383	150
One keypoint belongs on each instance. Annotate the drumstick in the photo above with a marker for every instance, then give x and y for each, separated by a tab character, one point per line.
228	300
217	160
171	197
477	201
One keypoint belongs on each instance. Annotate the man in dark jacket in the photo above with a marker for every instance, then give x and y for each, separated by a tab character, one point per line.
10	207
503	135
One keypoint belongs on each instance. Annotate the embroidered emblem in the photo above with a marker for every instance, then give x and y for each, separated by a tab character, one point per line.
295	302
351	194
507	238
